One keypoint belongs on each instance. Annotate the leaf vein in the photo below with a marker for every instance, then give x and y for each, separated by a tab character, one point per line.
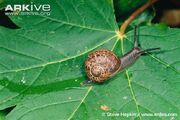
76	25
155	94
83	99
22	54
46	105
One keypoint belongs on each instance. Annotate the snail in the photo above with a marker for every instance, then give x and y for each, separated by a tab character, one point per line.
103	64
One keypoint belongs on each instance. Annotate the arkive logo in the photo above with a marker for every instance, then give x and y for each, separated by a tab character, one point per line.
28	9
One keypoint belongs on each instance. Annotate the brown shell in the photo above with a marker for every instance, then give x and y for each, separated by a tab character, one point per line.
101	64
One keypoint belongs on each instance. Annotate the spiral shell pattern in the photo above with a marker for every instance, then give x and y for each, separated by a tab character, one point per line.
101	64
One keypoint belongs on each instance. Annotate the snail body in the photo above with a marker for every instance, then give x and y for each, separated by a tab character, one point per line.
103	64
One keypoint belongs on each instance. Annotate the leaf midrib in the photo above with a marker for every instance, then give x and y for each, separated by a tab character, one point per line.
130	84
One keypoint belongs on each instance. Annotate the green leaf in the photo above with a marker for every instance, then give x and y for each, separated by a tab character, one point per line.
2	116
1	1
47	54
43	65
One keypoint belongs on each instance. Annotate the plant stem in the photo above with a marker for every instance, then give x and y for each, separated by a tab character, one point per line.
133	15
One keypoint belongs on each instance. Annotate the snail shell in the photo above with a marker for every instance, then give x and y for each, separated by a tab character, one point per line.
101	64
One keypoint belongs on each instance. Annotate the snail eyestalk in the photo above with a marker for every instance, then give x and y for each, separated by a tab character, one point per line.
135	37
137	46
149	50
